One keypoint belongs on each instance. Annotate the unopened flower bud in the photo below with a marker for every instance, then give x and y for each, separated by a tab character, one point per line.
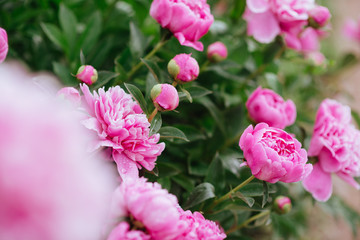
4	47
165	97
282	204
87	74
319	16
217	52
183	68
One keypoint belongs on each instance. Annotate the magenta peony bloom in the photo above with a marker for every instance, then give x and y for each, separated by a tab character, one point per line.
217	52
199	228
120	124
165	97
87	74
50	188
351	29
183	68
264	105
148	208
269	18
123	232
4	47
188	20
274	155
336	143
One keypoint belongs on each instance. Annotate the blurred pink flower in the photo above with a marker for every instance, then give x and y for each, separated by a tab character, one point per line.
71	94
4	47
165	97
183	68
188	20
351	29
199	228
123	232
148	207
217	52
46	174
336	143
120	124
274	155
264	105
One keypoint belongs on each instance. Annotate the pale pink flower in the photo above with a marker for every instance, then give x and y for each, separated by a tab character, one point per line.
123	232
336	143
71	94
148	207
351	29
274	155
87	74
264	105
199	228
50	188
183	68
165	97
120	124
217	52
4	47
188	20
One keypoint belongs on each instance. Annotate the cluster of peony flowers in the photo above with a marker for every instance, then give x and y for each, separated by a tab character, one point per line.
46	174
336	144
188	20
301	22
264	105
4	47
143	210
274	155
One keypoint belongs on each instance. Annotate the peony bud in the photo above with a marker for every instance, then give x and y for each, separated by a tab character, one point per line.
183	68
4	47
217	52
319	16
165	97
282	204
87	74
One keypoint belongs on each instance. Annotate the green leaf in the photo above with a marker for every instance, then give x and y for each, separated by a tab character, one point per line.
185	94
167	169
103	78
214	111
201	193
55	35
231	161
91	33
155	124
64	74
256	189
184	182
172	133
248	200
198	91
265	194
68	24
153	68
238	10
138	96
356	117
216	173
150	82
137	41
165	182
82	58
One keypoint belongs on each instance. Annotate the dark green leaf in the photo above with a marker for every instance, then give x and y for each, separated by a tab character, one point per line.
55	35
167	169
138	96
64	74
155	124
165	182
185	94
201	193
248	200
216	173
92	32
171	133
256	189
137	41
103	78
68	24
265	194
214	111
184	182
198	91
153	68
231	161
356	117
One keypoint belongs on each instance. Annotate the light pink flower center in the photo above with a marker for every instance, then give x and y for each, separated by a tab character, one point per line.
280	142
198	7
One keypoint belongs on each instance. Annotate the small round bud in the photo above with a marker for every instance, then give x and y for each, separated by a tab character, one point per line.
165	97
319	16
183	68
87	74
282	204
217	52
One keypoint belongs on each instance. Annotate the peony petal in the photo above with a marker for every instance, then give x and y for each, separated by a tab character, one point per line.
127	168
328	162
319	184
257	6
349	179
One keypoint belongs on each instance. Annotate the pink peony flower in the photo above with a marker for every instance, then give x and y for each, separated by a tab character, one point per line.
71	94
148	208
217	52
269	18
165	97
4	47
183	68
120	124
87	74
199	228
336	143
50	188
123	232
264	105
351	29
188	20
274	155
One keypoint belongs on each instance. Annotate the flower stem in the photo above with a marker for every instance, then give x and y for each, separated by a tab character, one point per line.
245	223
152	115
204	66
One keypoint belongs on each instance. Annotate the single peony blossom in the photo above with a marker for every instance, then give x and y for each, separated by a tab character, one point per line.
120	124
274	155
165	97
148	208
188	20
87	74
264	105
123	232
217	52
4	47
50	187
336	144
351	29
183	68
199	228
282	205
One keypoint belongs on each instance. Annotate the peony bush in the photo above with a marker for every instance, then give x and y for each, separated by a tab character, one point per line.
173	120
